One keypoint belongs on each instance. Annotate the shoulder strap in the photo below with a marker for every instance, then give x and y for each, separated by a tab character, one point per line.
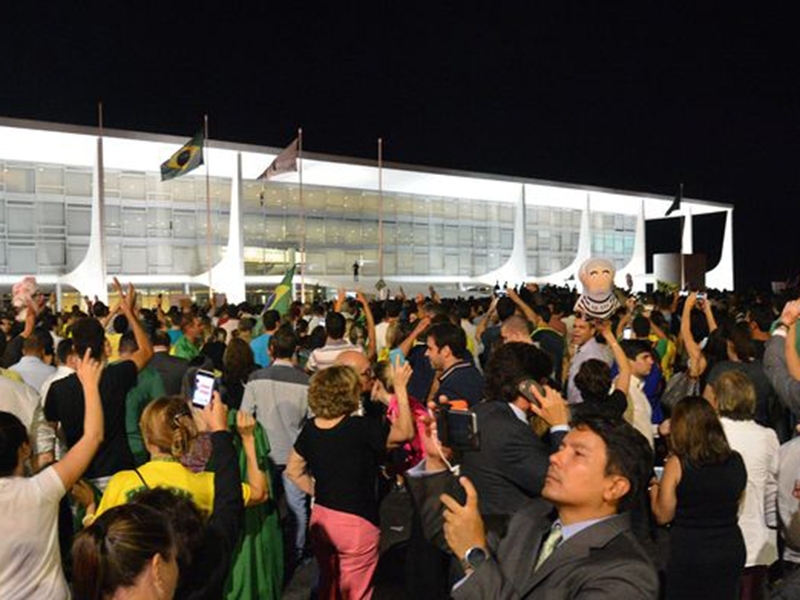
142	478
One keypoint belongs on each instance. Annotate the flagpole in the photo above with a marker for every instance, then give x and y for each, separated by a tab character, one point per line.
101	191
208	205
302	216
380	209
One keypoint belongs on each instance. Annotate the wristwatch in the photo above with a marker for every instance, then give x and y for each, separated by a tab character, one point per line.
474	558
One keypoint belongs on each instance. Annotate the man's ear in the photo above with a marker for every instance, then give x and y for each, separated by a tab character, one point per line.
616	489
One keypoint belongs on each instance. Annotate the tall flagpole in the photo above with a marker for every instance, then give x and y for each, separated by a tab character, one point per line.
302	216
380	210
208	205
101	190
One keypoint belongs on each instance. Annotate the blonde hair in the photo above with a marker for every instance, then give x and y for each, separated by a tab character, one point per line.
167	423
735	396
334	392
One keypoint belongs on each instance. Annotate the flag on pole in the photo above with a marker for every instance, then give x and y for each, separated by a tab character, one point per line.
285	162
676	203
188	158
282	298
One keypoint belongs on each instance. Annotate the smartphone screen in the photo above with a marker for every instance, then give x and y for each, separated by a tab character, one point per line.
458	429
627	333
203	388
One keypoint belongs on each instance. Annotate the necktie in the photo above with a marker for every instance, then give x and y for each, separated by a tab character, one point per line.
549	546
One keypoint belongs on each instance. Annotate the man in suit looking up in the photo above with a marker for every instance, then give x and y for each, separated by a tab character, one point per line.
585	548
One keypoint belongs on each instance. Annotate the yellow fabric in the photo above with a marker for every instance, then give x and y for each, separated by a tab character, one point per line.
13	375
113	340
198	487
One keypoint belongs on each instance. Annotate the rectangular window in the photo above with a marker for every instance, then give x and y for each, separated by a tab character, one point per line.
78	184
21	219
20	179
133	223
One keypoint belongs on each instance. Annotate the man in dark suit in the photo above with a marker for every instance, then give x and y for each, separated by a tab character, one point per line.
584	548
509	468
170	368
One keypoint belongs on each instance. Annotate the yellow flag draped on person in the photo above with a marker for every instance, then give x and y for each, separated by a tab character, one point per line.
187	158
282	299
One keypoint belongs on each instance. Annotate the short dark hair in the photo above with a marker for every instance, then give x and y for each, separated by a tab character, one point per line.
452	336
393	308
743	345
633	348
593	380
543	311
762	316
512	363
283	342
628	454
335	325
127	343
641	326
271	319
12	436
120	324
160	338
505	308
65	349
88	333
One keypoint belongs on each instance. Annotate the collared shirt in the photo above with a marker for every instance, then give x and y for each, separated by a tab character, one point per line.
33	370
639	412
185	349
324	357
462	381
520	414
573	529
591	349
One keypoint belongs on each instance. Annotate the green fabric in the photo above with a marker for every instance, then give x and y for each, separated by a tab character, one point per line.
148	387
258	565
185	349
796	339
187	158
282	300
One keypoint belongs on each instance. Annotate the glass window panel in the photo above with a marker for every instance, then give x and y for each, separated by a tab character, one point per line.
274	229
507	213
421	207
437	207
597	243
465	263
159	218
20	180
618	244
480	237
294	229
506	238
315	230
465	210
50	178
436	231
78	220
370	204
133	223
51	254
113	216
369	232
421	235
111	180
335	200
619	222
479	211
389	263
51	213
630	223
421	264
21	259
352	203
494	236
405	234
183	190
113	253
75	254
608	221
185	258
184	224
492	212
451	209
555	242
315	199
334	233
479	264
159	255
451	263
404	205
21	219
465	236
389	234
405	263
335	262
132	186
352	232
533	265
555	217
597	220
78	184
451	236
134	259
630	241
220	192
2	253
436	260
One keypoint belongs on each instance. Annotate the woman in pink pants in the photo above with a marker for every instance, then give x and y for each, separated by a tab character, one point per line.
336	459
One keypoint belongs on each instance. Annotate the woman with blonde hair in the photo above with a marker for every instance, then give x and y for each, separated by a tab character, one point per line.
169	429
735	397
336	459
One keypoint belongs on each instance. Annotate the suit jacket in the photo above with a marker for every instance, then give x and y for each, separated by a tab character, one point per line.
604	561
509	468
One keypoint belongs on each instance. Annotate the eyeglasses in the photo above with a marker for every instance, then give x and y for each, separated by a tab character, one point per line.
367	373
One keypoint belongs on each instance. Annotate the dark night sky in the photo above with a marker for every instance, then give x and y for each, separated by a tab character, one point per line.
604	94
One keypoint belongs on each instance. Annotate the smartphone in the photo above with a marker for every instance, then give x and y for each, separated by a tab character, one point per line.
659	471
457	429
701	296
203	388
627	333
524	388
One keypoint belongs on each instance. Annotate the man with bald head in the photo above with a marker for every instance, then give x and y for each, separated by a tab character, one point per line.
366	376
515	329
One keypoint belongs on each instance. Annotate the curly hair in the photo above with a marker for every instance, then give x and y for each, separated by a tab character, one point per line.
334	392
167	423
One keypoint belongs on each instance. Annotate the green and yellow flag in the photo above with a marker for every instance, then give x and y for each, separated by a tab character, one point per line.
282	299
188	158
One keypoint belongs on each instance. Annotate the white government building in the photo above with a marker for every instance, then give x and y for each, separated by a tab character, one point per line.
453	230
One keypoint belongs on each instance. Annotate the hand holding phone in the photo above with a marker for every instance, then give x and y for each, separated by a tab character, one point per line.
203	388
457	429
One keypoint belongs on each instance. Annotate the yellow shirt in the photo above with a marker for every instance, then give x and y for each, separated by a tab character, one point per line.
197	487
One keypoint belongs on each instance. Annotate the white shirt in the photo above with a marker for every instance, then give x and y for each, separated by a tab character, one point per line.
759	448
591	349
787	465
380	336
642	411
33	371
30	558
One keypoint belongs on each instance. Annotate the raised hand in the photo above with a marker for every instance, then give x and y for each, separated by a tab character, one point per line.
463	525
89	370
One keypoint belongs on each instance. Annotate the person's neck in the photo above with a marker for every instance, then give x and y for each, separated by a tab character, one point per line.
449	363
569	515
157	349
760	336
324	423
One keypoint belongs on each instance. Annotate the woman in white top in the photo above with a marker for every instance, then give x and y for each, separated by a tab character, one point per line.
735	398
30	559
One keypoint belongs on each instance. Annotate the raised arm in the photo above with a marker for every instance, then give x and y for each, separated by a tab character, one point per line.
70	468
403	428
630	303
692	348
523	306
486	319
624	378
407	344
712	322
372	348
127	305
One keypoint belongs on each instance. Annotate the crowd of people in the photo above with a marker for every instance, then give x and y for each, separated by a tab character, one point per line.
650	455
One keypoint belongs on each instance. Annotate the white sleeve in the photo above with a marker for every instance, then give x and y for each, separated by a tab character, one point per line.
49	485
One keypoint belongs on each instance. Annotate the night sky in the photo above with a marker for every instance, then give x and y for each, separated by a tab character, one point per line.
610	94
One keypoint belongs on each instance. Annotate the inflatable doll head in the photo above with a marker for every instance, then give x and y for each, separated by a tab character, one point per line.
598	300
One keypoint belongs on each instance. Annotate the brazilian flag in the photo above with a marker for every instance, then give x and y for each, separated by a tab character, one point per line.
282	299
188	158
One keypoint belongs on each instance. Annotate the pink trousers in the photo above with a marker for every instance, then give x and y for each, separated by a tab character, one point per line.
346	548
